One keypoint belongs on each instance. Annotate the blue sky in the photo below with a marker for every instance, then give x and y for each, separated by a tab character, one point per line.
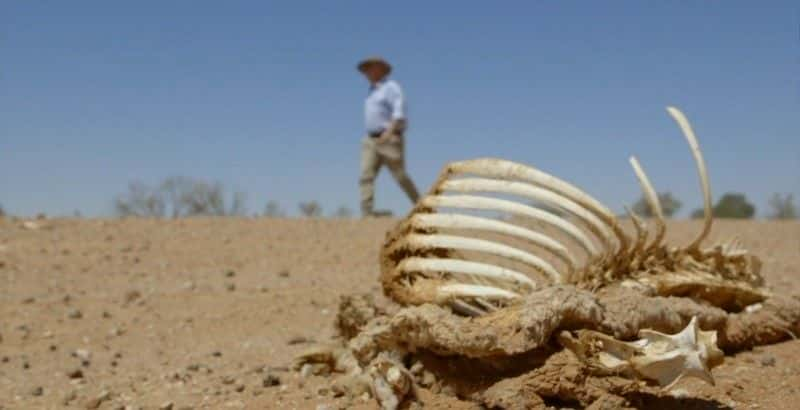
264	97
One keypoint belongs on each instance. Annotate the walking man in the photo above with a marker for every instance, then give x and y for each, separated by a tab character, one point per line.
385	121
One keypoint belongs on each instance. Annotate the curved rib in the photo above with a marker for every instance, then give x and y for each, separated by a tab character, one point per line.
652	200
686	128
480	245
448	292
426	221
503	169
493	204
641	231
418	264
594	224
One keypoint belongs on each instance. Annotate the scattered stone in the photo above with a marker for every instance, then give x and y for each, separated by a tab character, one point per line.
228	380
83	354
230	274
37	391
296	340
166	406
284	273
5	359
53	348
216	354
132	295
271	380
189	285
28	301
69	398
230	287
106	315
75	374
768	361
74	314
99	400
193	367
263	288
239	388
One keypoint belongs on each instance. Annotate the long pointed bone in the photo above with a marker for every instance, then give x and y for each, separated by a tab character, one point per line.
448	292
470	185
493	204
652	201
417	264
439	221
686	128
480	245
503	169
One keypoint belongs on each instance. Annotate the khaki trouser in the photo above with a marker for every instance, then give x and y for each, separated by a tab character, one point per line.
376	152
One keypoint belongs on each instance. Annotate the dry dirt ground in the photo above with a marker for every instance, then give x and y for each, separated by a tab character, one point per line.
208	313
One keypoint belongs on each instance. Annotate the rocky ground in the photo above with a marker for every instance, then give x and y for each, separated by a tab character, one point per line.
208	313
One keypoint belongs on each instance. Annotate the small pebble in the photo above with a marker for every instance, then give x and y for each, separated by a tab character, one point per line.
37	391
271	380
284	273
166	406
768	361
230	287
75	374
230	274
74	314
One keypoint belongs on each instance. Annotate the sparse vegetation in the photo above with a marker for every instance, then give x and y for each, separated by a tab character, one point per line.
343	212
782	206
730	205
273	210
669	205
179	197
311	209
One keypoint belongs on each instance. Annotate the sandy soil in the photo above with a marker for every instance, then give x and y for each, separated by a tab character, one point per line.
196	313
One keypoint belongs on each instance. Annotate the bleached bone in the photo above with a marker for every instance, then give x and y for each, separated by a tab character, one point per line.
416	264
470	185
658	357
683	123
493	204
470	222
652	201
479	245
430	256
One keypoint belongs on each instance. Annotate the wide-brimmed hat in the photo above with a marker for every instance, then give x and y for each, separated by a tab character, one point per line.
372	61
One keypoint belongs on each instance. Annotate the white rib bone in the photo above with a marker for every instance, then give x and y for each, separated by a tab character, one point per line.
595	225
686	128
480	245
503	169
417	264
426	221
477	202
448	292
652	201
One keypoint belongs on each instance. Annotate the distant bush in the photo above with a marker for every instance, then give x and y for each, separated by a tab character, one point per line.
273	210
2	211
311	209
730	205
669	205
343	212
179	197
782	207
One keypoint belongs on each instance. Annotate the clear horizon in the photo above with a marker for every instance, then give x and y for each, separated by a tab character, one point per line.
264	97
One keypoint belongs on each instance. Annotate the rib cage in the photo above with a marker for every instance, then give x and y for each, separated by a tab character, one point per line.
549	232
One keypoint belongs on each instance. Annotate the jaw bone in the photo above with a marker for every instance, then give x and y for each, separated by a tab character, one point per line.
657	357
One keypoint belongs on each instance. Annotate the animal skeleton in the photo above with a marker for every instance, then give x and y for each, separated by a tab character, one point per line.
433	255
488	295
